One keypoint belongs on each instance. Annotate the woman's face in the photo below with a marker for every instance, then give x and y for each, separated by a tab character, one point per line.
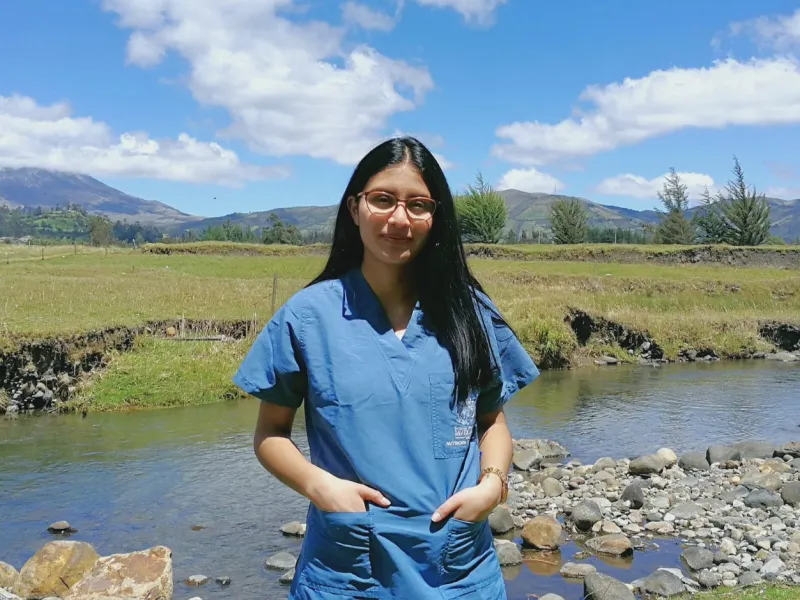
393	237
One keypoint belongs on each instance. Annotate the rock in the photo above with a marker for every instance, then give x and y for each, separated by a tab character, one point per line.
287	577
542	532
791	449
749	578
197	580
709	579
754	449
223	580
768	481
604	463
171	331
782	356
10	578
547	448
663	583
55	568
790	493
646	465
281	561
686	511
132	576
615	544
501	520
6	595
773	567
527	459
694	461
586	514
60	527
508	553
552	487
668	456
551	597
295	528
634	495
597	586
727	547
721	454
761	498
698	559
572	570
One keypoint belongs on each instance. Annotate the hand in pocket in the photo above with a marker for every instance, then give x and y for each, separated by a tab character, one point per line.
332	494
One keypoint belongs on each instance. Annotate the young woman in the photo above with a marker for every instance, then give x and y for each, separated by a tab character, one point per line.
404	365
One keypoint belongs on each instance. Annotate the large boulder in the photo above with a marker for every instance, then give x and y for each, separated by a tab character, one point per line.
10	578
56	568
694	461
597	586
755	449
146	574
501	520
586	514
542	532
722	454
789	449
662	583
646	465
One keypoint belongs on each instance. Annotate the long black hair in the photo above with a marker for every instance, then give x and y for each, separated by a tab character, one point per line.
446	287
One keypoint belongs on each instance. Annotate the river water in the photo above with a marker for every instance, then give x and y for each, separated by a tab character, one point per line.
187	477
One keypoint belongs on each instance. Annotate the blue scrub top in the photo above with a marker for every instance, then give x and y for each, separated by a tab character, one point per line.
380	410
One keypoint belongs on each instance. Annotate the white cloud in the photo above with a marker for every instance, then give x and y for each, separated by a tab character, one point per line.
779	32
363	16
530	180
783	192
290	87
478	11
637	186
622	114
50	137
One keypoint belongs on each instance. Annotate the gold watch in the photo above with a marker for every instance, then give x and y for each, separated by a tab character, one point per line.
503	480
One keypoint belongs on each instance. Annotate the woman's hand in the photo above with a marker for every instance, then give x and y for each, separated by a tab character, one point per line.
472	504
332	494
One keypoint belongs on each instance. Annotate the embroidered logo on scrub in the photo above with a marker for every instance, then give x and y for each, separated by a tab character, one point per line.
465	419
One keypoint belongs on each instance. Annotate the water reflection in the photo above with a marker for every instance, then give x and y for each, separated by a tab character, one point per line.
130	481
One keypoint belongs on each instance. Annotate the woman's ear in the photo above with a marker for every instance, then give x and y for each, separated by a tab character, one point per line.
352	206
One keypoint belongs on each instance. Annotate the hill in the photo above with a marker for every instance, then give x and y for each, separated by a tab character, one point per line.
32	188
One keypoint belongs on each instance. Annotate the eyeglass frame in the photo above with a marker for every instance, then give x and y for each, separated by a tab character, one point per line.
398	201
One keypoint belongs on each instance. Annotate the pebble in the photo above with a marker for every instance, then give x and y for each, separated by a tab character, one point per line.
197	580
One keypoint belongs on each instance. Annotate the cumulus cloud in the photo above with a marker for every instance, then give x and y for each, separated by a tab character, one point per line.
780	33
290	86
477	11
622	114
363	16
637	186
49	137
783	192
530	180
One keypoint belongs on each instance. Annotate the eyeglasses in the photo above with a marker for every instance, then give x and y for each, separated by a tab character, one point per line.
380	203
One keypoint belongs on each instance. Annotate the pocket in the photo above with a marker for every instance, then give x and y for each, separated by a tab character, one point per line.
467	560
453	422
336	554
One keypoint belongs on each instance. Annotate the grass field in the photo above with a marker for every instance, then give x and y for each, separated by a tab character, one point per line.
704	307
758	592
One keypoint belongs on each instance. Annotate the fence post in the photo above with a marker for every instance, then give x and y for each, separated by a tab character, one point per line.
274	291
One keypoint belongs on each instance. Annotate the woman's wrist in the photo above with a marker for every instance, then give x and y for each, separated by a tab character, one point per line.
492	481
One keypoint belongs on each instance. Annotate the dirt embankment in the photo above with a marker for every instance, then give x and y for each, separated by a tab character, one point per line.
768	256
45	374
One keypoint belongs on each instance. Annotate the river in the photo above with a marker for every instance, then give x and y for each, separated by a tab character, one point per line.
187	477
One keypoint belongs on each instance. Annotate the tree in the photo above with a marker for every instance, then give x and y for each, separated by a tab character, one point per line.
481	213
511	237
280	233
674	227
100	230
739	217
568	221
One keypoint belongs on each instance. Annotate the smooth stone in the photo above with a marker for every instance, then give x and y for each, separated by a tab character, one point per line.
287	577
508	553
586	514
694	461
663	583
615	544
698	559
281	561
501	520
572	570
197	580
542	532
598	586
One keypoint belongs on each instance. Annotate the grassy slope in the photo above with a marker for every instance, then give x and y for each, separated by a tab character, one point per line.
696	306
759	592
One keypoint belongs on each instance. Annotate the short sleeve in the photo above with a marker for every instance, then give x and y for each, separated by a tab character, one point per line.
273	370
515	368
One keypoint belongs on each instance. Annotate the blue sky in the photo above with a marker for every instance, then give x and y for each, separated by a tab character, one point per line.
215	106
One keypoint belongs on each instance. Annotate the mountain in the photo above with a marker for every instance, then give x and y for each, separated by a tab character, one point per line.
33	188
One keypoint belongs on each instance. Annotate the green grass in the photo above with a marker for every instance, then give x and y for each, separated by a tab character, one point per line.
160	373
758	592
690	306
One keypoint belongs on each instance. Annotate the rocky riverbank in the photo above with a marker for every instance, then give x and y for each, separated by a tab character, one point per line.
736	510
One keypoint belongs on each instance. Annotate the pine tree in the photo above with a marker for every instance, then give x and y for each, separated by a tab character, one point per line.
674	227
739	217
481	213
568	221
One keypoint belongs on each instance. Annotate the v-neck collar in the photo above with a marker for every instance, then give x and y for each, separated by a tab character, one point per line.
400	353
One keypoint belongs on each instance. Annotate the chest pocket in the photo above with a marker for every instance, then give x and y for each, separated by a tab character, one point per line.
453	422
